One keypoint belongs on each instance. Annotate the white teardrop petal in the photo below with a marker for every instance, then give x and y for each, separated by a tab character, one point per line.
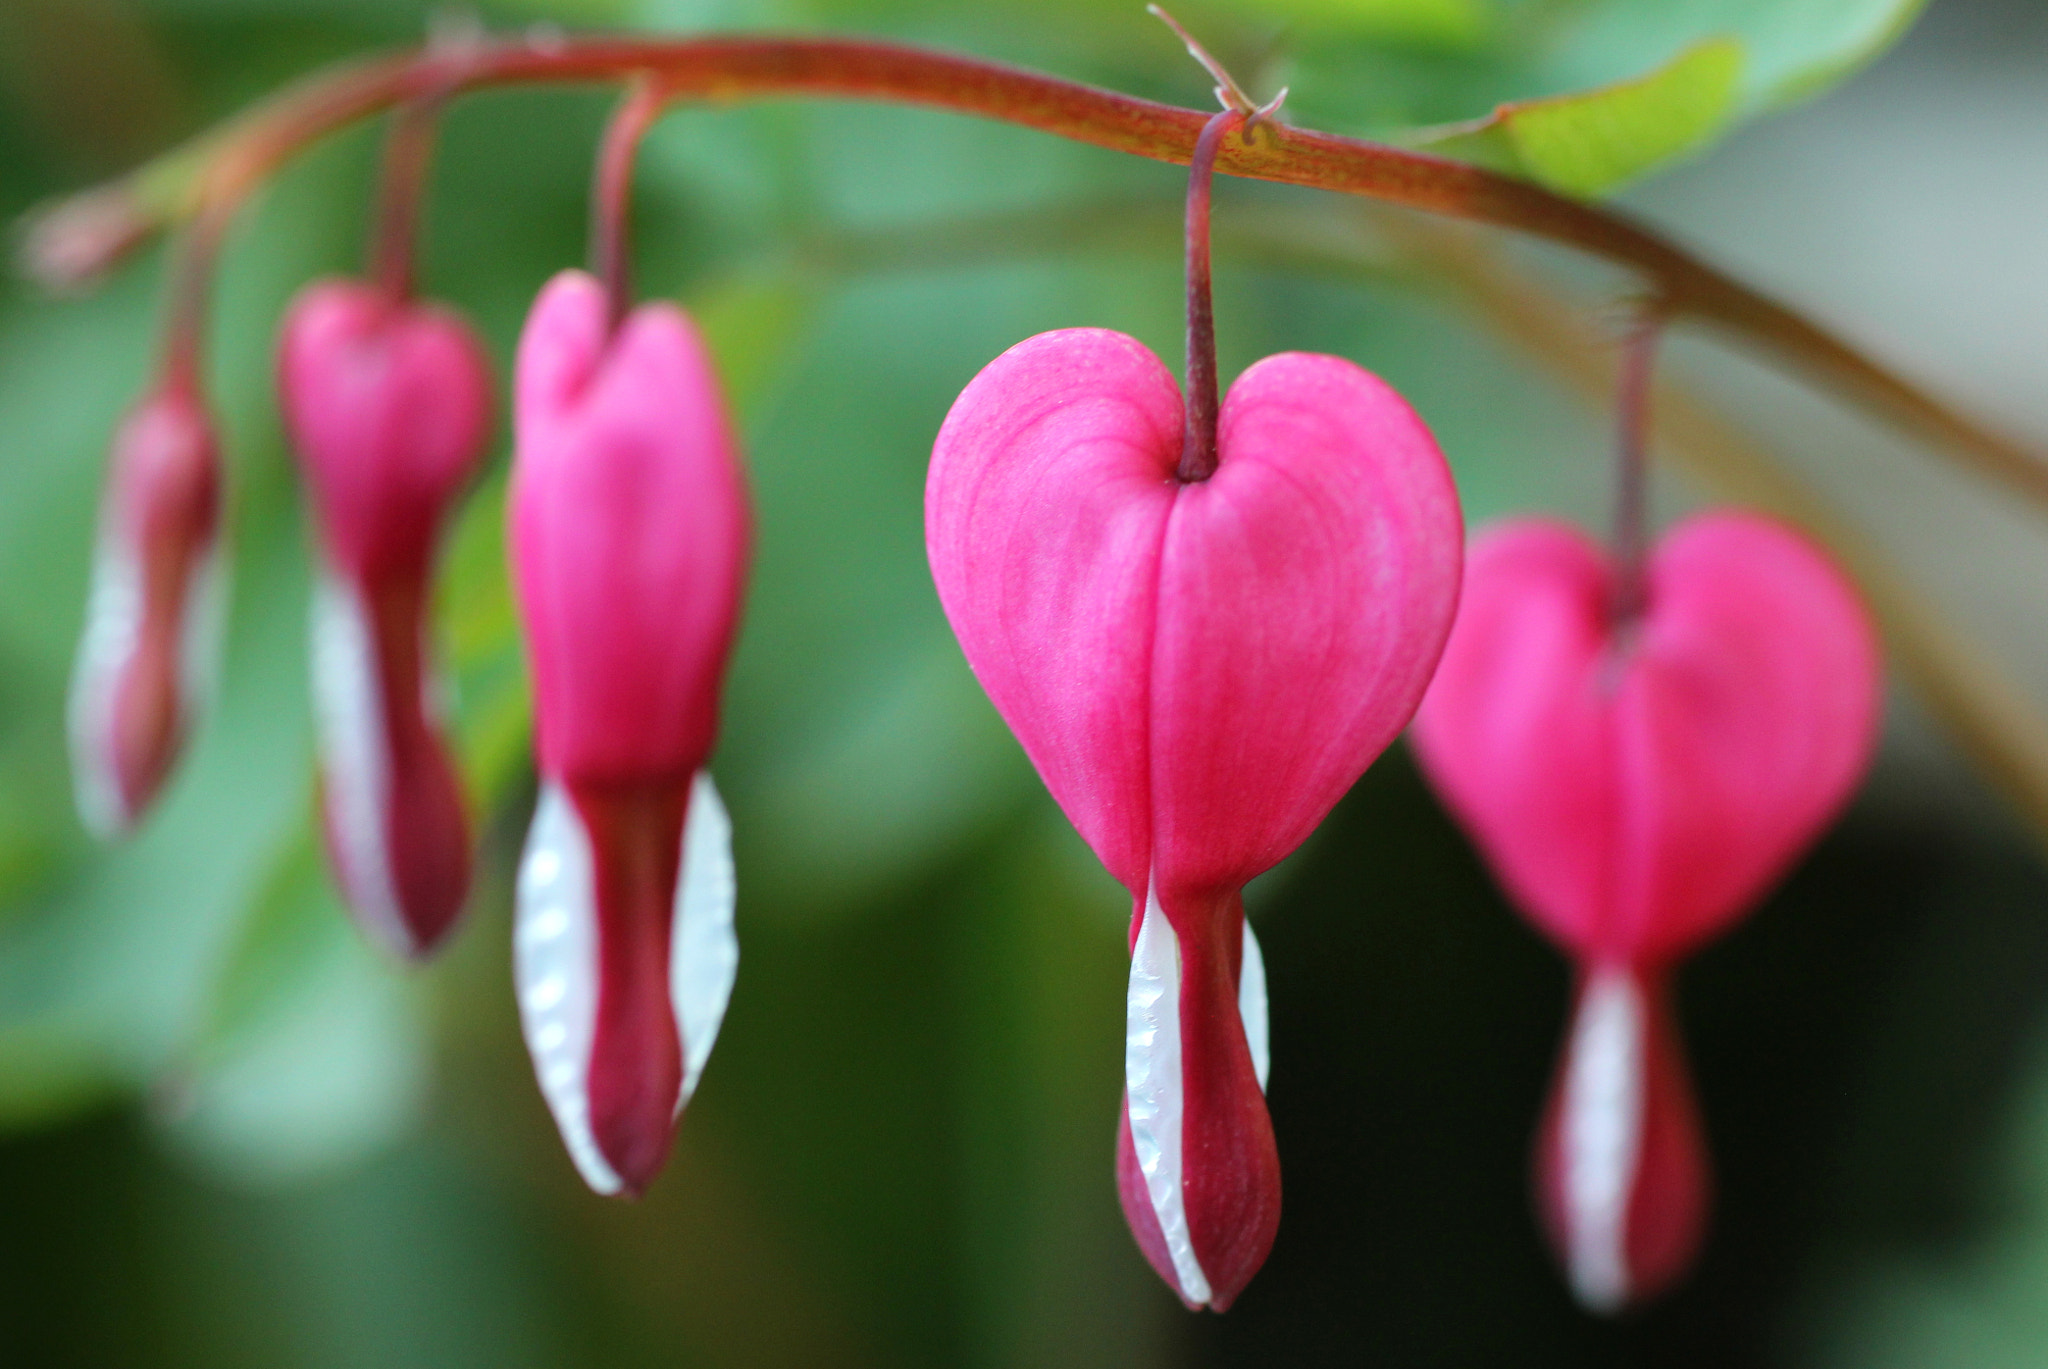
554	966
1601	1136
704	953
1154	1087
113	623
1251	1005
354	764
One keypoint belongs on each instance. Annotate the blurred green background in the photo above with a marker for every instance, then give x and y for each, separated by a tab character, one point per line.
231	1136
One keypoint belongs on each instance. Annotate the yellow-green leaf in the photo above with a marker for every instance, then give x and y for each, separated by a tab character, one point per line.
1446	24
1592	141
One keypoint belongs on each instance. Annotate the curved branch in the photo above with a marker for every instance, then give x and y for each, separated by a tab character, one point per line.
219	172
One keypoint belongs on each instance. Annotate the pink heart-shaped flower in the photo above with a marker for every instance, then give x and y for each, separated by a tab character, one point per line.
388	403
629	538
1199	671
1637	794
1636	790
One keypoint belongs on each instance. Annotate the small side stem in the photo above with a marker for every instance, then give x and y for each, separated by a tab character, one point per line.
611	226
1198	443
408	153
182	355
1631	460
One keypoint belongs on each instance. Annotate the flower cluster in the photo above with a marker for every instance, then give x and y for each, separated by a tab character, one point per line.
1203	615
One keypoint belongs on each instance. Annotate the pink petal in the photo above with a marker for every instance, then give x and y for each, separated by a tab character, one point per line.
624	956
152	620
1199	672
629	542
1045	514
1305	593
392	806
1151	1189
389	408
629	536
1636	797
1621	1163
1195	1114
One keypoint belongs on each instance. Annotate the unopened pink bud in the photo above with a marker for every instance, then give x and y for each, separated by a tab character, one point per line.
388	404
629	539
1636	788
152	621
1199	671
70	245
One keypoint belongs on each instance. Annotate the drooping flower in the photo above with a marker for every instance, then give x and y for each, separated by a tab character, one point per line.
1636	788
152	620
629	532
1199	670
388	403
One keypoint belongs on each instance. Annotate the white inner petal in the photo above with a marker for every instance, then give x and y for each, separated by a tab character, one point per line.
354	763
1251	1005
113	621
1601	1136
554	967
704	954
1154	1088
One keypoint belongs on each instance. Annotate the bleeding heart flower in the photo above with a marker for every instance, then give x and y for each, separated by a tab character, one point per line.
629	532
1636	790
1199	670
152	621
388	403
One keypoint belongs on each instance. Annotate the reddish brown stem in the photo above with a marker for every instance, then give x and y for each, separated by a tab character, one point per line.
182	357
1631	459
240	155
611	199
1198	444
408	153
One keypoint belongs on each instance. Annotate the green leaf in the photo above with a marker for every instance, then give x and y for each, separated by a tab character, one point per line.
1794	48
1602	91
313	1057
493	703
1588	143
1445	24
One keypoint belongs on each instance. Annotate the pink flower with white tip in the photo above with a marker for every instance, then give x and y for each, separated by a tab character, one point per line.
388	403
1202	626
629	539
153	617
1637	786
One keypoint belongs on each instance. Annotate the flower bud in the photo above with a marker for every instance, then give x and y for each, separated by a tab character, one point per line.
1199	671
1636	787
388	404
69	246
629	540
153	616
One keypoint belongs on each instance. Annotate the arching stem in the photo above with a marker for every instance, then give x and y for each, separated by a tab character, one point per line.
611	227
1631	460
1198	443
69	241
